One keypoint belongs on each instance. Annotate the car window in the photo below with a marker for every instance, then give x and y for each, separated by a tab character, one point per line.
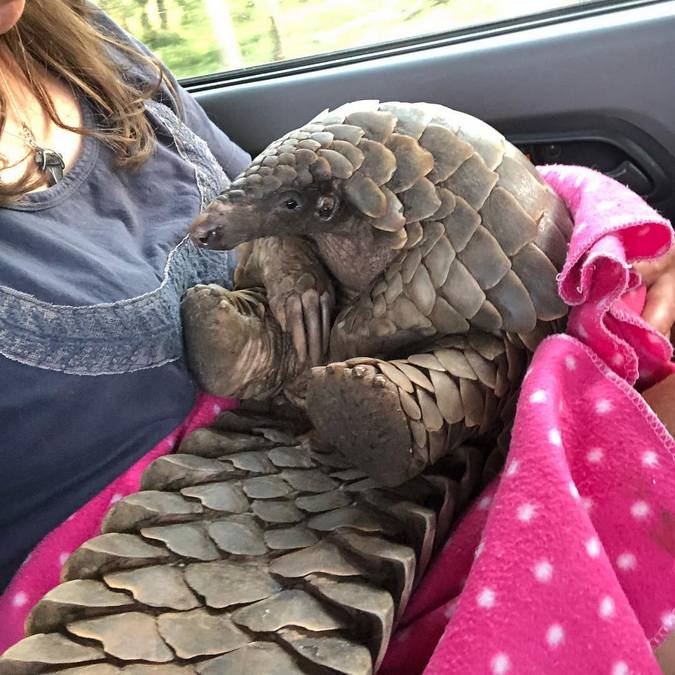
201	37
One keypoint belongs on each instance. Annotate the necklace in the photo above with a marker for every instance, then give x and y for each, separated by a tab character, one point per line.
49	162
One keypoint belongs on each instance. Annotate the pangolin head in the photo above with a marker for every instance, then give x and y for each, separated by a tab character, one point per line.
345	164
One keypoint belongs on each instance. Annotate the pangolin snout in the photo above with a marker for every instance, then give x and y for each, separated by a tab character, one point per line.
221	226
225	224
203	232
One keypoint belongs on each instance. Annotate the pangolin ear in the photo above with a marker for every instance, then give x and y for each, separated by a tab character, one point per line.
396	240
327	207
378	204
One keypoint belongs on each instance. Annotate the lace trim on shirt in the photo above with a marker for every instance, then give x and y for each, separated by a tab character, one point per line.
132	334
109	338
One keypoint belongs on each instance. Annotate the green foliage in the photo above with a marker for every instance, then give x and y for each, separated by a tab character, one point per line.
196	37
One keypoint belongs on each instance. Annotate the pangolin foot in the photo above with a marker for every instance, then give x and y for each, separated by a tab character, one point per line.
233	344
357	410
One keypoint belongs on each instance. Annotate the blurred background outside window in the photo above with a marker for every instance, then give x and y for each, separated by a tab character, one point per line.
200	37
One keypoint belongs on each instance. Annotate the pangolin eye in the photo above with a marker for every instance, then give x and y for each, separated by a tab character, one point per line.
291	204
325	206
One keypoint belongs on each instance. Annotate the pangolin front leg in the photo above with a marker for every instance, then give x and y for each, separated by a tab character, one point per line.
394	418
299	291
258	340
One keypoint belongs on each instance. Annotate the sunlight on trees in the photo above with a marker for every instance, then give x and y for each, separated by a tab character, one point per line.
198	37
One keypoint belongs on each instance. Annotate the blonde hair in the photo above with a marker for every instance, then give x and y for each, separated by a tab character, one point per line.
79	53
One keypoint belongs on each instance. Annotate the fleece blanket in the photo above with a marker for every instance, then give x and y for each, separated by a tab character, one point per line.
566	563
40	571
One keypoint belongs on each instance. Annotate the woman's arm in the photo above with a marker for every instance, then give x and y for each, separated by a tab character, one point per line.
659	277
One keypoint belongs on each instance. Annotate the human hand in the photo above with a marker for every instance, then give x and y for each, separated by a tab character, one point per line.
660	398
659	278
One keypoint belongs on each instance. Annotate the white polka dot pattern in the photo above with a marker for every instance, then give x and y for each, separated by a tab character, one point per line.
603	406
582	332
620	668
554	437
543	571
538	396
484	503
606	607
650	459
526	512
593	547
639	510
512	468
626	561
500	664
486	598
668	620
555	635
595	455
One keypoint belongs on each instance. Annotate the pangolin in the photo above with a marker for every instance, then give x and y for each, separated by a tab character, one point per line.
412	241
413	238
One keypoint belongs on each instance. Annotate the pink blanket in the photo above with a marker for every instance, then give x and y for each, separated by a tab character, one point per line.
40	571
566	563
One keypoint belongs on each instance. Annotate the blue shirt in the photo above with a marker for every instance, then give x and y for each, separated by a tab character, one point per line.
91	275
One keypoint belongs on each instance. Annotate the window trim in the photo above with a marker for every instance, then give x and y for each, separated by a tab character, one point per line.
278	69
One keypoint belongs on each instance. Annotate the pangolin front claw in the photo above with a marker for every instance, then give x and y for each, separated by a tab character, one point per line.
304	325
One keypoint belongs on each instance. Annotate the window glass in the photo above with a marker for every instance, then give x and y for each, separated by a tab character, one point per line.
198	37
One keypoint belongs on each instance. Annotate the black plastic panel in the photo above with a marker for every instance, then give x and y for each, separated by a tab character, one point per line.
604	143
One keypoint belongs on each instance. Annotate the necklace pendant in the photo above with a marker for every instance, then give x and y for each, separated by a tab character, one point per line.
51	163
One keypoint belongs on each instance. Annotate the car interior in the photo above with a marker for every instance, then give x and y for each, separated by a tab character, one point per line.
584	84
